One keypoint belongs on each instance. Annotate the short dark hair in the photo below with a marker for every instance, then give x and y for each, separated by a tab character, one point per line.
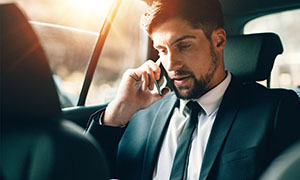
203	14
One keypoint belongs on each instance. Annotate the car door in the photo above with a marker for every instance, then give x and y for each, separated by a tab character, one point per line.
125	47
89	44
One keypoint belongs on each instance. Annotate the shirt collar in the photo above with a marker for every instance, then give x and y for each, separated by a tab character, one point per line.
211	100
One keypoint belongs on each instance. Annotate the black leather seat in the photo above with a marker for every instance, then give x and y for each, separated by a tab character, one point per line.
251	57
35	142
286	166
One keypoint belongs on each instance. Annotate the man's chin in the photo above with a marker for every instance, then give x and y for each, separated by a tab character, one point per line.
184	93
190	91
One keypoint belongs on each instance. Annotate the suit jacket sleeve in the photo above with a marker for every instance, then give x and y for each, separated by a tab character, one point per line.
107	136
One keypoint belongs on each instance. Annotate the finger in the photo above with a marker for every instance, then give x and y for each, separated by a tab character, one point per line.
145	80
156	69
132	74
151	78
158	62
165	91
154	65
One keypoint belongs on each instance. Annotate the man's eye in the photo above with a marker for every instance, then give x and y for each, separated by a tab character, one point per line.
183	47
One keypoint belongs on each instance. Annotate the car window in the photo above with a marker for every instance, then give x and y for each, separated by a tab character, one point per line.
67	30
125	47
286	70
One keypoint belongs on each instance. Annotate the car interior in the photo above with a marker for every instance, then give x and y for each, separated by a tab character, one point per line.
33	133
40	136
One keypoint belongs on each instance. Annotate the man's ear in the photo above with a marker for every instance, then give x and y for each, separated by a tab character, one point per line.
219	38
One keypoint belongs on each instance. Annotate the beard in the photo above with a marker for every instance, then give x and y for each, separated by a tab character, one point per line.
200	86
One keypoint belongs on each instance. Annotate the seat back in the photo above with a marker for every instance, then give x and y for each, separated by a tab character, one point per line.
35	142
285	166
251	57
26	80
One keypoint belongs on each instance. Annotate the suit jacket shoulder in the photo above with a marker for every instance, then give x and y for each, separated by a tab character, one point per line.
262	123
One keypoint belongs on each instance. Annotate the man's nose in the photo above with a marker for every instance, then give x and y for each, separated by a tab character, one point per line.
174	62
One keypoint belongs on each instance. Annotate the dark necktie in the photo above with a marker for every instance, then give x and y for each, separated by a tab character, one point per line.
180	162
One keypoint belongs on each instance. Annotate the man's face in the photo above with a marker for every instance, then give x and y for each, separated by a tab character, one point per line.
188	56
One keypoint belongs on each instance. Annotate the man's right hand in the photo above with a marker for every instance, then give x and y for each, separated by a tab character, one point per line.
134	93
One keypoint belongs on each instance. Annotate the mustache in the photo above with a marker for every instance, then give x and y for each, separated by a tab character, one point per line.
181	73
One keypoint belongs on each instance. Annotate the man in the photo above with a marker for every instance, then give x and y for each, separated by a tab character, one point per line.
239	129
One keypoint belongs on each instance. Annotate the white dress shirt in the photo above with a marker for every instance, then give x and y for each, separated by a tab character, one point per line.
210	103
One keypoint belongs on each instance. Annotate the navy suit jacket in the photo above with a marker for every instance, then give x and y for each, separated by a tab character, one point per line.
253	125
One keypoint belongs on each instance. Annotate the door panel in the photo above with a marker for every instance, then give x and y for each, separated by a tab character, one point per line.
80	114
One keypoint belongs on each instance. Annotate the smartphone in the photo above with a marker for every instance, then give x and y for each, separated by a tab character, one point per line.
162	82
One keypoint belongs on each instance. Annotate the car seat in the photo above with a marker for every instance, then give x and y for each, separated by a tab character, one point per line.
36	143
286	166
251	57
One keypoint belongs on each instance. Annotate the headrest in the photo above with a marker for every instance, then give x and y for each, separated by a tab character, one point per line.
251	57
27	87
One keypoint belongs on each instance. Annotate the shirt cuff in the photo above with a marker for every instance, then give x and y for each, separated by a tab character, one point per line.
98	116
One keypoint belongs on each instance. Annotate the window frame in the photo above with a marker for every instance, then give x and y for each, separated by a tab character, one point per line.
92	64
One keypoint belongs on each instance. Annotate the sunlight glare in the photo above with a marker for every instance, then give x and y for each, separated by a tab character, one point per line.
94	5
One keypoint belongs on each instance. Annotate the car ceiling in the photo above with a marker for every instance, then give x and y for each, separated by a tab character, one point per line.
251	7
246	7
238	12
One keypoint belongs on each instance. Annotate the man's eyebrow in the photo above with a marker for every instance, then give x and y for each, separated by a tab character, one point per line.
182	38
177	40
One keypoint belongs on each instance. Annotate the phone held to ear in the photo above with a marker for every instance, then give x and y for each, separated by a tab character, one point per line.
162	82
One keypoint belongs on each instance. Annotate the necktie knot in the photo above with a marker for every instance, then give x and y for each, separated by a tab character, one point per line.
194	106
194	109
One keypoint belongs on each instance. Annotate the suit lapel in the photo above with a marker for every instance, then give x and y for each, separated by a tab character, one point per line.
221	127
157	131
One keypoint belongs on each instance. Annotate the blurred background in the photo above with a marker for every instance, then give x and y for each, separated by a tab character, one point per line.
286	70
68	30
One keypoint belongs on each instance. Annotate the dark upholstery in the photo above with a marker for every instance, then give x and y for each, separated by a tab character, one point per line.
35	142
26	75
286	166
251	57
